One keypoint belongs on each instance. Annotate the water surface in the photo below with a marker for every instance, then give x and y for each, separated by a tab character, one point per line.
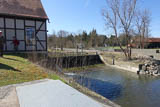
123	88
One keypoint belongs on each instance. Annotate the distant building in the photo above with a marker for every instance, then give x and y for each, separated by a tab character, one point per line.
25	20
153	43
148	43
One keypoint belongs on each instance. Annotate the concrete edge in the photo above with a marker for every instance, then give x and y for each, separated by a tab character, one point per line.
131	69
5	90
89	92
104	101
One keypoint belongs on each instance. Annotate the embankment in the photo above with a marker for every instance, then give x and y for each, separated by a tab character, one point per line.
49	63
124	65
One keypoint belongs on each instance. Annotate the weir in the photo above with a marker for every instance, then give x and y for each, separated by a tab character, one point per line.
65	61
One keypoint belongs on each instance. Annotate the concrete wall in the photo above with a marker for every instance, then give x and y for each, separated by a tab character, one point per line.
147	52
65	62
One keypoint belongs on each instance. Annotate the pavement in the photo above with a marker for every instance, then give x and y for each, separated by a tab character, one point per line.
79	50
44	93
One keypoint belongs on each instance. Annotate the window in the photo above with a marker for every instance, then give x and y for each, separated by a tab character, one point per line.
30	36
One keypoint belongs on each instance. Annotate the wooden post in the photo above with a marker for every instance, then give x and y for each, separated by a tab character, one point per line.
113	60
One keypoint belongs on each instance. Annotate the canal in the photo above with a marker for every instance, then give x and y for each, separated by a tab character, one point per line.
124	88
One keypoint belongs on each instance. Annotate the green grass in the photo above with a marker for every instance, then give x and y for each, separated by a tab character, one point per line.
77	69
117	47
110	47
16	69
56	77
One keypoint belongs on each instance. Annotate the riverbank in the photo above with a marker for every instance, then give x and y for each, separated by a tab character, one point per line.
83	89
16	68
119	62
21	95
124	88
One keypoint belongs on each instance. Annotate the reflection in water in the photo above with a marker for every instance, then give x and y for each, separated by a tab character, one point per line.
125	89
100	87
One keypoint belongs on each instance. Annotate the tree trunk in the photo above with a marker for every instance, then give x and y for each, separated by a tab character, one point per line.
129	52
120	45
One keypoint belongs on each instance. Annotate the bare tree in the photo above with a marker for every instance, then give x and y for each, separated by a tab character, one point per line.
142	24
119	16
52	40
62	34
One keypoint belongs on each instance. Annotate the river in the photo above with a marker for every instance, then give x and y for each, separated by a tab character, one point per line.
124	88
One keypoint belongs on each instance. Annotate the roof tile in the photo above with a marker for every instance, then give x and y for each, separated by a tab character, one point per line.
27	8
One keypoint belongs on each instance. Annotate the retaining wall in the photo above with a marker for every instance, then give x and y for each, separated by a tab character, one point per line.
65	62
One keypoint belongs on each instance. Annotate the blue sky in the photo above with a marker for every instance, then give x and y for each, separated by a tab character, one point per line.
77	15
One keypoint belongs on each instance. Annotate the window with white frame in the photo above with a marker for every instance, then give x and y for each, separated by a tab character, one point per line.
30	36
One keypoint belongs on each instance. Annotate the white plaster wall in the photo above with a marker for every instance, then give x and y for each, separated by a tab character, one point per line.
21	46
41	35
39	47
38	24
30	23
20	34
9	23
19	24
10	46
10	34
30	48
2	22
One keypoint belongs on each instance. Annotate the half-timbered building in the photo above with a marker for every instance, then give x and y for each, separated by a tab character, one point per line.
27	21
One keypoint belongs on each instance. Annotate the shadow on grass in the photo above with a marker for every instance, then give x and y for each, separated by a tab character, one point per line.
6	67
12	59
23	55
33	57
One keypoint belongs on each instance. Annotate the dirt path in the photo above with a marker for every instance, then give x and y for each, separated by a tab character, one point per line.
8	97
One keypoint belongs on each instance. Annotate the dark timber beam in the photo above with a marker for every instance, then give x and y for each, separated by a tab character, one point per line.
37	33
35	23
4	21
46	36
24	21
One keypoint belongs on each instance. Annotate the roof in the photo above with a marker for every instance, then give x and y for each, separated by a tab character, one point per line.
23	8
151	40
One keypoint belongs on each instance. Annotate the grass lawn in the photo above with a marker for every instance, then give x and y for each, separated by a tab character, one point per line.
16	69
110	47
